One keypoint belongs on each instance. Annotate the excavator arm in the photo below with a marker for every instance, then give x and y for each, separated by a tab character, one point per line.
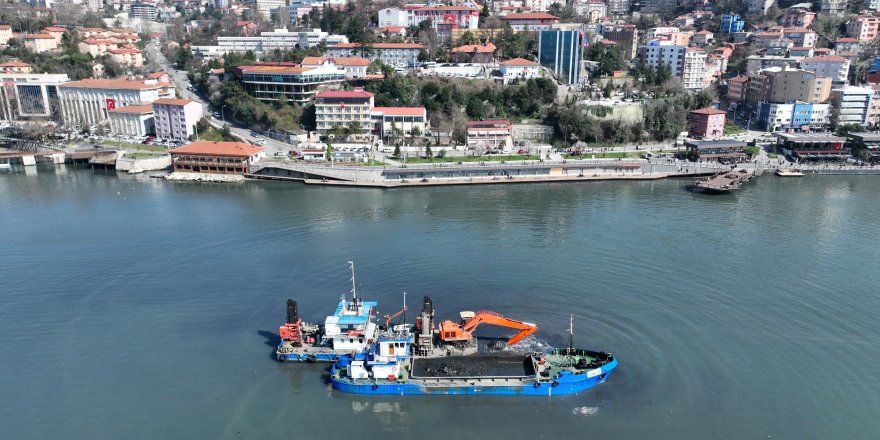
388	318
493	318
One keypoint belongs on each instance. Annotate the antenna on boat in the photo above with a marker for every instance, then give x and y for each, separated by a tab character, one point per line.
403	317
353	287
570	348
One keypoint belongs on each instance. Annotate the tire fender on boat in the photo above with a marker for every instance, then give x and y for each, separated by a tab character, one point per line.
537	384
375	387
555	383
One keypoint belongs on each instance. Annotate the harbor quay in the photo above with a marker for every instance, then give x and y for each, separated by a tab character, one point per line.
479	173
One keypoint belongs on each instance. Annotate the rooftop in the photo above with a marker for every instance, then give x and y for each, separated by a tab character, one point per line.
828	58
401	111
530	16
91	83
475	48
170	101
718	143
518	62
341	61
344	94
15	63
140	109
379	46
811	137
709	111
214	148
275	69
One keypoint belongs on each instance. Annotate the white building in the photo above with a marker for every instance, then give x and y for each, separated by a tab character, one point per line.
175	119
688	64
28	95
131	120
281	39
267	7
393	17
39	43
853	104
782	115
89	101
391	121
693	72
394	54
759	6
832	66
519	68
143	11
355	67
5	34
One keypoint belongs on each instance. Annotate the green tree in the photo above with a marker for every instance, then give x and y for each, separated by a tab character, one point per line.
428	152
329	152
467	37
396	151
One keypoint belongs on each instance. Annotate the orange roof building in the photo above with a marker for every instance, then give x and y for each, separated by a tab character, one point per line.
215	157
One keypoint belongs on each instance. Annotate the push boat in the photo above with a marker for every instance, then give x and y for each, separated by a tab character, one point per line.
423	360
350	329
788	172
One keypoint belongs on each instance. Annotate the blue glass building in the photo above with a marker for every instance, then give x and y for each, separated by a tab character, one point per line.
731	23
561	52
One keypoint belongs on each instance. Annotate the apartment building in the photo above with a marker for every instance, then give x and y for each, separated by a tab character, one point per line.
343	109
852	104
175	119
39	43
394	121
530	21
626	35
832	66
706	123
491	134
863	28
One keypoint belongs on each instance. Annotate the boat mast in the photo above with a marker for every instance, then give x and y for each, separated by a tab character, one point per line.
353	287
570	348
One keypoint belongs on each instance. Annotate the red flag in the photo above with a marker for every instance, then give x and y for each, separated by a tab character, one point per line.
111	103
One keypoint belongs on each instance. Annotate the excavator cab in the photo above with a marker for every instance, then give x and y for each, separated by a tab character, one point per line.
454	332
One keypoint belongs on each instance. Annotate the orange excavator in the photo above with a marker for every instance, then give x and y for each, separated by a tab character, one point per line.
453	332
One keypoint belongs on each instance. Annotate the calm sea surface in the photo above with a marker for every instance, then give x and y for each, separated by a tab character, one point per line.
135	308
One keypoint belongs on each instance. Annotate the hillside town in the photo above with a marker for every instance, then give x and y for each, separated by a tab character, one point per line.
229	87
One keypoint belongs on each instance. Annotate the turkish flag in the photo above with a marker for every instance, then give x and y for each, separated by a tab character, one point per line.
342	105
111	103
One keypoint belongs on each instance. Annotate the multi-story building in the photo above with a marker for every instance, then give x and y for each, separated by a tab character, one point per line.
693	72
796	116
127	56
399	121
5	34
267	7
215	157
731	23
800	52
88	101
475	53
405	54
658	6
530	21
393	17
96	47
55	31
39	43
355	67
759	6
444	19
846	45
344	109
626	35
295	83
832	7
706	123
864	27
143	11
94	5
592	10
755	63
736	88
175	119
688	64
852	104
797	17
832	66
492	135
29	95
702	38
132	120
800	36
618	8
561	53
790	84
281	39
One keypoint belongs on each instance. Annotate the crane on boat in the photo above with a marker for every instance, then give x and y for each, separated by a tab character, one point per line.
454	332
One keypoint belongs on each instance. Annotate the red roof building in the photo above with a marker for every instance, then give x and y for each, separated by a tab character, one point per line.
706	123
215	157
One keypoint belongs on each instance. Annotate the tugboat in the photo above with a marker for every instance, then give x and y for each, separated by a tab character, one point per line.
445	361
350	329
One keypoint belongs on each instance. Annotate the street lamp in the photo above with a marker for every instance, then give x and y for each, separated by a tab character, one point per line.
222	112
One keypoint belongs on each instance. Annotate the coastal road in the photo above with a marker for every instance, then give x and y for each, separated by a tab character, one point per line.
180	80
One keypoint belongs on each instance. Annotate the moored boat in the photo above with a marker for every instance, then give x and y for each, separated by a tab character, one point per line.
788	172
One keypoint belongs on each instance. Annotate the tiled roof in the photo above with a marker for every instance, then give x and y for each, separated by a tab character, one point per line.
39	37
341	61
275	69
709	111
146	108
379	46
213	148
478	48
518	62
530	16
344	94
401	111
91	83
830	58
170	101
15	63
